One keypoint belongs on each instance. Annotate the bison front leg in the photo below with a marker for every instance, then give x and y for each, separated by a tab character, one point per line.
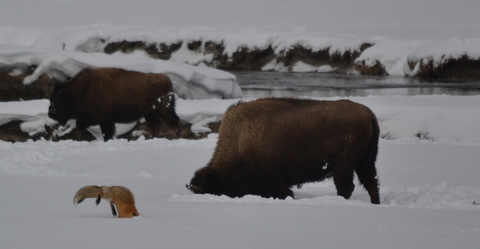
81	124
273	185
108	130
283	193
154	124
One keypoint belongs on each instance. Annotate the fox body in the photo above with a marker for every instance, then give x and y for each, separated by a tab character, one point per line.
121	199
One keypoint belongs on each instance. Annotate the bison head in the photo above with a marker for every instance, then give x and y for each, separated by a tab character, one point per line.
205	181
59	108
229	182
237	182
169	117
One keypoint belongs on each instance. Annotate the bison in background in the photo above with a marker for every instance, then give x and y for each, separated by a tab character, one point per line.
106	96
269	145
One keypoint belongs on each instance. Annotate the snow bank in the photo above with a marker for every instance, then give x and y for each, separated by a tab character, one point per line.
427	117
392	54
441	51
189	82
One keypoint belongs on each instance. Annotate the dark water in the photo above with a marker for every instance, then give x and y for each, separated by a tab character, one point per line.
262	84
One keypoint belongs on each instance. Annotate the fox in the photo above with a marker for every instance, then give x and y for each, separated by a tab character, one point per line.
121	199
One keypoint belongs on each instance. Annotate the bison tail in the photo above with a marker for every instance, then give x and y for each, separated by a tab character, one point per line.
366	171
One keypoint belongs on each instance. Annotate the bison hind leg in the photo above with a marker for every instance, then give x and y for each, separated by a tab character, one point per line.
367	176
369	179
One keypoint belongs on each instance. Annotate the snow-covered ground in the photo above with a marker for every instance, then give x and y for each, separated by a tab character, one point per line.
428	159
430	191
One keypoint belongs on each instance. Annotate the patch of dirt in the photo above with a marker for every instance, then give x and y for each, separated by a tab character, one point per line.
158	51
375	70
13	89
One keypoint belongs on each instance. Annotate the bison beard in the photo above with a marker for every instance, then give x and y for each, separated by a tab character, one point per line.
106	96
269	145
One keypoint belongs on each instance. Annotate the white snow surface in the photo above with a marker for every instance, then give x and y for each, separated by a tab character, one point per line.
430	191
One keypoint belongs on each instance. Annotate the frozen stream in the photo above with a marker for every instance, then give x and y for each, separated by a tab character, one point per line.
261	84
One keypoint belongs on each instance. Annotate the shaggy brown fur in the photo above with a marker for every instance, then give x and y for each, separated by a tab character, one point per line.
107	95
269	145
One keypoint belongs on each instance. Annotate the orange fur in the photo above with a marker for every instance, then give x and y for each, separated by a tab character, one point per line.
119	197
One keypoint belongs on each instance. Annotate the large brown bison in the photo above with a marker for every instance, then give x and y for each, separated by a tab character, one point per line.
107	95
269	145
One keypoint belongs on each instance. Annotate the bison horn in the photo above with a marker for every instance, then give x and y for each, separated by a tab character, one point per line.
195	189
